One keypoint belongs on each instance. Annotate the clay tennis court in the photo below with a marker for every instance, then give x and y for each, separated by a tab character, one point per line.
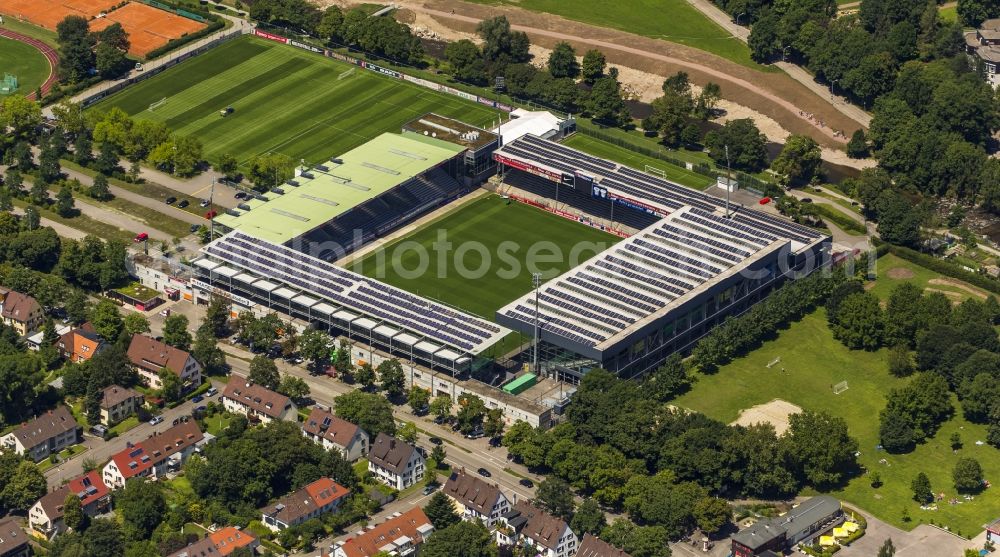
148	28
48	13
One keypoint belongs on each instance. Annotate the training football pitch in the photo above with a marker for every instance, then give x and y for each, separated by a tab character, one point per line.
284	100
486	266
24	62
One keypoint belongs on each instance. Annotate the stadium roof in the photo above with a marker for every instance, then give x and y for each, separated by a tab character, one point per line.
368	303
642	278
639	190
330	189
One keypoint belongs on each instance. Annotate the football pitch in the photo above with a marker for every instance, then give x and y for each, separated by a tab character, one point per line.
491	243
284	100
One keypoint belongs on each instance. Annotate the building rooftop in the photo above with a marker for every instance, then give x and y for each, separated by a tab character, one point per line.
158	447
88	488
324	424
790	524
229	539
451	130
12	536
390	453
592	546
116	394
536	524
330	188
45	427
257	397
472	492
153	355
18	307
411	527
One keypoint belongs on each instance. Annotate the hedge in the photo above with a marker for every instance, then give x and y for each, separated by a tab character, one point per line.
946	268
181	41
841	220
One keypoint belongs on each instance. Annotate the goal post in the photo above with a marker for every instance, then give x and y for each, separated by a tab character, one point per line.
656	171
346	74
153	106
840	387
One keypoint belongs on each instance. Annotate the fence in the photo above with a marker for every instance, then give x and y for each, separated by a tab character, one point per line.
166	64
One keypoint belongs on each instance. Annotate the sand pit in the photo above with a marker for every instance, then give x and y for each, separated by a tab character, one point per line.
900	273
775	413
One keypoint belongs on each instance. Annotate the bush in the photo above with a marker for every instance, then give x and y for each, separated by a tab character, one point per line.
181	41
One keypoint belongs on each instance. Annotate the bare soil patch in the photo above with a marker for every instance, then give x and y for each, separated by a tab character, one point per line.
775	413
900	273
960	285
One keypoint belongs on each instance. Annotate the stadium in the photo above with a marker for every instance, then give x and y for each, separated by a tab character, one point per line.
689	261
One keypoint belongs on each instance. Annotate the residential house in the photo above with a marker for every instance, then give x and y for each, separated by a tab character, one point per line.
80	344
401	535
316	499
592	546
149	356
20	311
118	403
47	434
336	433
229	539
204	547
152	458
37	339
13	540
395	463
257	402
46	516
526	525
476	499
983	46
803	523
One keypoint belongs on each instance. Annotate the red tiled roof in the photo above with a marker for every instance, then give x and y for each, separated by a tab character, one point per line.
229	539
88	488
595	547
135	460
369	542
300	503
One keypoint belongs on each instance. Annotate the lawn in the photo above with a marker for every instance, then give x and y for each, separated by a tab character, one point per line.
638	161
477	229
218	423
25	62
676	21
806	381
948	14
125	425
892	270
285	100
25	28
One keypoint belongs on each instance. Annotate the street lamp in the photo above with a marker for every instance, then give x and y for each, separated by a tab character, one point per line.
738	16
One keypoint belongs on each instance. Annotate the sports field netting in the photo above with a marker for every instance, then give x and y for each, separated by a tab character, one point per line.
285	100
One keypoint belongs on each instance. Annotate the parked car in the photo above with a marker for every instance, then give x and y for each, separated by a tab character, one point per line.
183	203
195	227
484	473
156	420
141	237
431	488
435	440
527	483
204	203
439	419
99	429
170	200
240	195
211	392
165	312
197	399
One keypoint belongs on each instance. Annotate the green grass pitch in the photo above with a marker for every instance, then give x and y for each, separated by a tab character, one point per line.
488	221
25	62
286	100
637	161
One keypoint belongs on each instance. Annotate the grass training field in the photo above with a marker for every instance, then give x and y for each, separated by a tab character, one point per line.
637	161
676	21
487	222
285	100
25	62
814	361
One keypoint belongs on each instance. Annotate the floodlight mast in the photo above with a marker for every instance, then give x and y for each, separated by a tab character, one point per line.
536	280
729	181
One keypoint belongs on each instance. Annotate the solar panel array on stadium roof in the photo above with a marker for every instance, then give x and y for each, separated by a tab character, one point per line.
636	278
376	300
646	188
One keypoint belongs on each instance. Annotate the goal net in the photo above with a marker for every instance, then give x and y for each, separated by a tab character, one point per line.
157	104
656	171
840	387
8	85
346	74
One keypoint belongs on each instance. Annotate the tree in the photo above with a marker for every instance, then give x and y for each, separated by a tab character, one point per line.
206	351
670	116
65	206
798	161
593	65
637	541
462	539
887	549
109	61
107	158
441	406
217	316
825	463
747	146
76	56
606	103
175	331
588	518
142	505
227	165
971	13
269	170
264	372
99	189
391	376
83	149
554	496
857	147
471	411
24	487
107	321
493	423
895	432
170	385
440	509
859	322
499	42
370	412
135	323
711	514
408	432
438	454
562	61
73	514
921	487
669	380
418	398
968	475
365	374
39	193
466	61
187	156
294	388
900	363
313	346
705	104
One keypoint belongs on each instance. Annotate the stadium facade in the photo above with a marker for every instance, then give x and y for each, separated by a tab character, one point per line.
694	262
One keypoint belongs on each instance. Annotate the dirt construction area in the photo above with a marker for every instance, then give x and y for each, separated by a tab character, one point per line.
775	413
148	28
48	13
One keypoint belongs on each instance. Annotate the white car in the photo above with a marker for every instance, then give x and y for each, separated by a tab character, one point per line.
156	420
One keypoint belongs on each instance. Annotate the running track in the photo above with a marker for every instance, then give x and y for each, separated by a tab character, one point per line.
50	54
